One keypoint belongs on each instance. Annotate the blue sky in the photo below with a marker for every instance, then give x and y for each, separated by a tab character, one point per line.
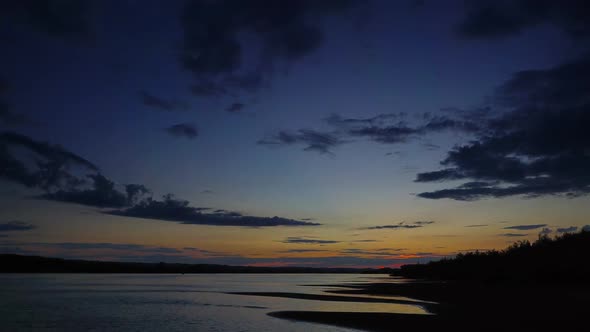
105	79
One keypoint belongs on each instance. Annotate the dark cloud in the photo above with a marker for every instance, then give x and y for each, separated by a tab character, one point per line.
15	226
299	251
52	166
478	225
403	224
526	227
135	193
208	192
153	101
390	134
235	107
388	128
223	62
378	252
515	154
131	199
102	194
207	253
495	19
55	169
308	240
391	128
337	120
513	235
570	229
66	19
186	130
322	142
175	210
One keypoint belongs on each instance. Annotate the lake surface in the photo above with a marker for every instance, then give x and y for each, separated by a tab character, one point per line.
171	302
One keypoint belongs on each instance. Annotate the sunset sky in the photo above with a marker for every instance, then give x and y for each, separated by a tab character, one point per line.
296	132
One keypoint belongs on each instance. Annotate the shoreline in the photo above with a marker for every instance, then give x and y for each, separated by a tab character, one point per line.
466	306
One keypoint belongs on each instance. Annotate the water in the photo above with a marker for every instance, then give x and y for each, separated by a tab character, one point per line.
142	302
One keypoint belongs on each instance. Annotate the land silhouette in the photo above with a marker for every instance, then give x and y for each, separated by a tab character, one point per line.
564	258
13	263
543	285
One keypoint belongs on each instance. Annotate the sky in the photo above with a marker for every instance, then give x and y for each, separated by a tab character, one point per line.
340	133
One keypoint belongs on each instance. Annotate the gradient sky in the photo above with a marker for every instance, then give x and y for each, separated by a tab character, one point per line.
376	132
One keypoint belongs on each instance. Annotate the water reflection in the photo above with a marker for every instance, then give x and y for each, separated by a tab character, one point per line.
176	302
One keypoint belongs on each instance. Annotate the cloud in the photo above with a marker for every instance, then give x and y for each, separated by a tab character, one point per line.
307	240
378	252
298	251
235	107
52	166
526	227
570	229
186	130
55	169
337	120
322	142
402	225
16	226
513	235
514	155
387	128
217	36
392	128
131	201
102	194
175	210
67	19
477	225
390	134
153	101
497	19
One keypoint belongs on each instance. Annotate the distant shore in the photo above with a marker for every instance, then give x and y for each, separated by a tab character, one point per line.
13	263
460	307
